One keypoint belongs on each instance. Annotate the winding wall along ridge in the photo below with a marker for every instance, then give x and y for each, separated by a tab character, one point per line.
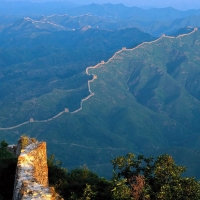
90	81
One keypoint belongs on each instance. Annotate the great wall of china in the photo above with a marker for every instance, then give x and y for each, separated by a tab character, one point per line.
66	110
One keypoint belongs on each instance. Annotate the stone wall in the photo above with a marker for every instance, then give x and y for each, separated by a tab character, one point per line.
31	179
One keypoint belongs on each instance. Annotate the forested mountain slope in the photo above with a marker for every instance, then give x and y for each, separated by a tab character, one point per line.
42	71
146	100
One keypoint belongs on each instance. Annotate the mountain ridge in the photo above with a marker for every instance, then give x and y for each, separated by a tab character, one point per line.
112	122
148	103
90	81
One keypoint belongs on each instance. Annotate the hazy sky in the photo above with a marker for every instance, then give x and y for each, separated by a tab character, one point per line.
183	4
180	4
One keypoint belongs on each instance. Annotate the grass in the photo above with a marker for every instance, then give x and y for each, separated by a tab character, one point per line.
25	141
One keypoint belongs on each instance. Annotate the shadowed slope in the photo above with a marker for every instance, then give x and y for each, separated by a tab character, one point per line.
140	104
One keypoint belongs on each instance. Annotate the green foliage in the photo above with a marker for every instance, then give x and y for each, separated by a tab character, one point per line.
162	178
121	190
5	155
8	164
79	183
88	194
56	173
135	178
24	141
33	140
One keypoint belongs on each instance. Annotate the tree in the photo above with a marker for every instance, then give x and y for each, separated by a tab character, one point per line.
82	182
78	184
158	179
121	190
8	163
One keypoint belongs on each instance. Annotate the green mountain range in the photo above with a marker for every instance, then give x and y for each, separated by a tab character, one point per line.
146	100
43	70
143	99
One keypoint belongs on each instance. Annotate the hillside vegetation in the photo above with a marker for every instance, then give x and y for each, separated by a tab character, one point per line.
146	101
42	71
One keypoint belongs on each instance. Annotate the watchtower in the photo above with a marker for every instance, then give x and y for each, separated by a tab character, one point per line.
66	110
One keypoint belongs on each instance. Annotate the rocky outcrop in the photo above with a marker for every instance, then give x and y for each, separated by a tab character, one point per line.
31	179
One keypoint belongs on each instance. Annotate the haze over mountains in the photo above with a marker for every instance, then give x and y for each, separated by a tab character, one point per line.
178	4
106	16
143	101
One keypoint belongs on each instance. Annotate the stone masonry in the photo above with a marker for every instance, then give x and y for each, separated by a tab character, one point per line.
31	179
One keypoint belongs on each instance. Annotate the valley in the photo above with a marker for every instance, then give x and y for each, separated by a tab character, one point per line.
102	81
